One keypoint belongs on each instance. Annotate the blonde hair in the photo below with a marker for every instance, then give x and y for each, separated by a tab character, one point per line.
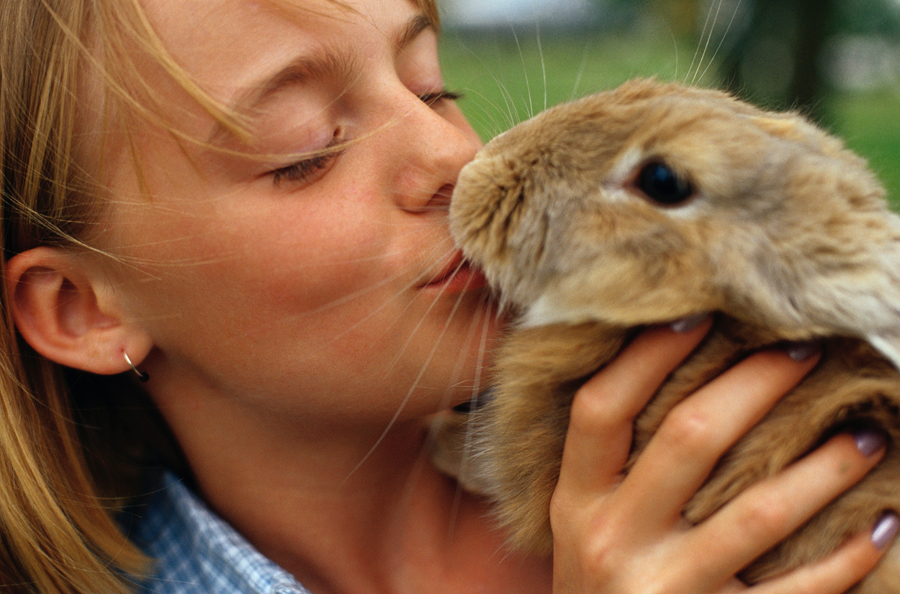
59	482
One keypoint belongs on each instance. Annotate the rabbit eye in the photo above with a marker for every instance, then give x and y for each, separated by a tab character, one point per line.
662	185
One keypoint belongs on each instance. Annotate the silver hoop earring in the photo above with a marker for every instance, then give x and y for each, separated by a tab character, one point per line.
144	377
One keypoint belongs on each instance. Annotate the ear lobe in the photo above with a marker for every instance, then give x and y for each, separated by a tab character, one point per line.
67	310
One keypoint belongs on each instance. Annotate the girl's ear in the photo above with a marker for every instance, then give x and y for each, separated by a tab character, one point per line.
67	309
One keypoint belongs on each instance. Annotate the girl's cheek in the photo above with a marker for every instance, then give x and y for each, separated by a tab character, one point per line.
321	261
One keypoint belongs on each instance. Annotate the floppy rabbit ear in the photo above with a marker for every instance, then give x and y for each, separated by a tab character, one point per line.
876	304
882	305
859	298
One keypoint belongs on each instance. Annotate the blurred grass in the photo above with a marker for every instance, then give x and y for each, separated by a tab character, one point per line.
505	79
870	125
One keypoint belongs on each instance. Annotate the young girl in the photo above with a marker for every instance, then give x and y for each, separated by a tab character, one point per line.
232	307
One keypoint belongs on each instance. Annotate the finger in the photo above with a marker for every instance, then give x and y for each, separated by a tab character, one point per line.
604	409
697	432
842	569
770	510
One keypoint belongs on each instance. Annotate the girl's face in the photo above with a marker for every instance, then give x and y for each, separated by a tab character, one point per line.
320	286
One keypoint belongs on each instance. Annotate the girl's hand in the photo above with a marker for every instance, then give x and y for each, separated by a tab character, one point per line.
617	534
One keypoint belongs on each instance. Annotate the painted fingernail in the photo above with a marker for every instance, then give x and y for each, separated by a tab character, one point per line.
801	351
885	530
685	325
869	441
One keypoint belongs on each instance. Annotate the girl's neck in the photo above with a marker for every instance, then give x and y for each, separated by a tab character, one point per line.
344	516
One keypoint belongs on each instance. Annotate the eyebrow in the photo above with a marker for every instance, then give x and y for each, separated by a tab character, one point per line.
413	28
317	66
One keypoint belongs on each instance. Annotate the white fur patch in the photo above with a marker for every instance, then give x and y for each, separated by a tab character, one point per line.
887	346
547	310
543	312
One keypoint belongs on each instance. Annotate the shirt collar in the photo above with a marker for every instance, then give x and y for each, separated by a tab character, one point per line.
197	552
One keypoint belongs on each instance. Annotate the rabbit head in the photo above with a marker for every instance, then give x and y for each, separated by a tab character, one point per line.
657	201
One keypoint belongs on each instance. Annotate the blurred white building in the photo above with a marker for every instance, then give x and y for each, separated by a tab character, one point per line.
492	13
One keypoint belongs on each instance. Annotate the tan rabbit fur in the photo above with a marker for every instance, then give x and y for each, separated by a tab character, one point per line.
763	218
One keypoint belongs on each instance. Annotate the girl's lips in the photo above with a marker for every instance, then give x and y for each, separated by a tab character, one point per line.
458	276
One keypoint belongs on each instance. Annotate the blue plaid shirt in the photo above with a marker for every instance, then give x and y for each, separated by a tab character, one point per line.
197	552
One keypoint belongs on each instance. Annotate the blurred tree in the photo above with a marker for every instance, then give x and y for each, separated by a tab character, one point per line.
776	59
785	40
773	50
867	17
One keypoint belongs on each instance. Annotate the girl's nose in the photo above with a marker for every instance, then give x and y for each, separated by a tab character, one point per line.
435	142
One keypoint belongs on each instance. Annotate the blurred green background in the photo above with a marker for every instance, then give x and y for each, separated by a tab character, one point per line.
836	60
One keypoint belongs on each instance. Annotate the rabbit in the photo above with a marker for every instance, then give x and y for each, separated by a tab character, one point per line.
656	202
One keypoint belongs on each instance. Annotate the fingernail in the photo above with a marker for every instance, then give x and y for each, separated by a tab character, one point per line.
801	351
869	441
685	325
885	530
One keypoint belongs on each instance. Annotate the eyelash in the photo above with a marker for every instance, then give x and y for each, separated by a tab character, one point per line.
302	170
442	95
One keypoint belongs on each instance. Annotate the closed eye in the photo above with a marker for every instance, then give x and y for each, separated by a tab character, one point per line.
302	171
442	95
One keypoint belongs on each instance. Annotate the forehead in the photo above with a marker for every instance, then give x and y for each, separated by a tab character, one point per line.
217	55
226	45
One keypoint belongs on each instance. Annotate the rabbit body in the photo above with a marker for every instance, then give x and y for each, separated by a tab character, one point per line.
655	202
